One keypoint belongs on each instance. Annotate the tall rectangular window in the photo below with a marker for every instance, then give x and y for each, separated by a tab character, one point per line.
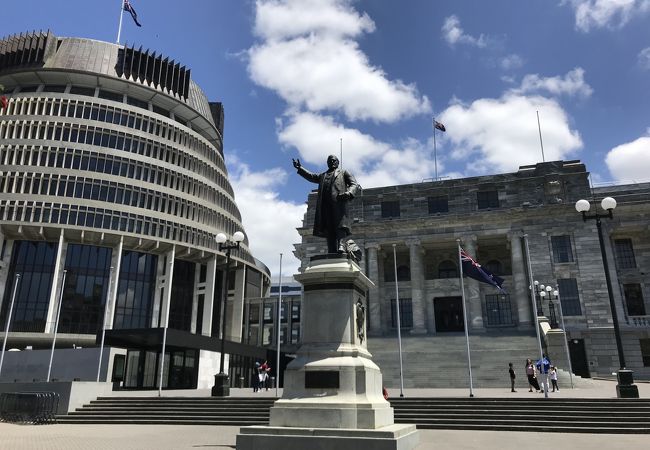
390	208
487	199
634	299
624	254
562	252
405	313
438	204
569	296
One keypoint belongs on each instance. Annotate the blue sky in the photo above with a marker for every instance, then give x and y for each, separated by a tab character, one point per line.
297	76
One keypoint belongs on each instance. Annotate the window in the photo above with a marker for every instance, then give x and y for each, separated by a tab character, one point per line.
487	199
80	90
645	351
569	298
562	252
497	310
439	204
494	267
108	95
624	254
405	313
634	299
447	269
390	208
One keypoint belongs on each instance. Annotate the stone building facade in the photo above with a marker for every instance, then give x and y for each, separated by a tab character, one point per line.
112	172
494	218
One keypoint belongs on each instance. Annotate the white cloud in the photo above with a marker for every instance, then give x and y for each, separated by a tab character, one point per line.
269	222
644	58
499	135
573	83
314	65
611	14
374	163
292	18
511	62
630	162
454	34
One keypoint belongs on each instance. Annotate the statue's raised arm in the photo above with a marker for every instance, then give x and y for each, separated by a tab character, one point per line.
336	187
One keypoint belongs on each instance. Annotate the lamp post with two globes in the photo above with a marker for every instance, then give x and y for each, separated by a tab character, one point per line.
221	386
625	387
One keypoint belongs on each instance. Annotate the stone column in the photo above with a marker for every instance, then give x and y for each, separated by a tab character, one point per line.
472	289
374	307
208	302
236	308
116	263
519	297
417	286
57	279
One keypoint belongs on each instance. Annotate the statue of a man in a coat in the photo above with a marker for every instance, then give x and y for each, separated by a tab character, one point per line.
336	187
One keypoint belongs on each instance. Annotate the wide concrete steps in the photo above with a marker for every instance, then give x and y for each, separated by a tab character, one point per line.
173	410
546	415
441	361
539	414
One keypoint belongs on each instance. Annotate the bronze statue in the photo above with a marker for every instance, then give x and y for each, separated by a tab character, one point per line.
336	187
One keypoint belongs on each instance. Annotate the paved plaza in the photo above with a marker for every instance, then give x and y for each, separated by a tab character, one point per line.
179	437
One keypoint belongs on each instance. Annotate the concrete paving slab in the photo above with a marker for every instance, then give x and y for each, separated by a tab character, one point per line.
190	437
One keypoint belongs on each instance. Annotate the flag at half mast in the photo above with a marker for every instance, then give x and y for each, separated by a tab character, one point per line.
474	270
438	125
129	8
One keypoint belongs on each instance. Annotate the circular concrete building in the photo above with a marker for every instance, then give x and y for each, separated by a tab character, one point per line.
112	189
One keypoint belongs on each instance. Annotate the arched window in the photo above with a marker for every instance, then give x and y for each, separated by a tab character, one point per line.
447	269
494	267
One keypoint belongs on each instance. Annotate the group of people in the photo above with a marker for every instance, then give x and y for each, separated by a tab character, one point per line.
543	367
261	378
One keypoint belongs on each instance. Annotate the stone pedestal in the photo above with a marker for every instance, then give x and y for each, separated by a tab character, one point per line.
332	397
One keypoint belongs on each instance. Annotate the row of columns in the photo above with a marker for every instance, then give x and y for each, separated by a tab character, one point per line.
162	291
422	300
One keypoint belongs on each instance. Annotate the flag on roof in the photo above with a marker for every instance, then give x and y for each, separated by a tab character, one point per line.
129	8
438	125
474	270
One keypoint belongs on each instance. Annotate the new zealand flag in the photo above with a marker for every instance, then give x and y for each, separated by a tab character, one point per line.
474	270
129	8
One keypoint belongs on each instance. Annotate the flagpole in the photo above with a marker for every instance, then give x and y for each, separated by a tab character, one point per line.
462	290
119	28
435	152
277	359
399	326
539	127
8	324
532	293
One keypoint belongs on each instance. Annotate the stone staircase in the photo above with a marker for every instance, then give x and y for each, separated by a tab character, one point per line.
173	411
616	416
441	361
536	414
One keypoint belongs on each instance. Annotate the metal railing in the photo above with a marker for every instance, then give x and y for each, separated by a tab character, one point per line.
29	407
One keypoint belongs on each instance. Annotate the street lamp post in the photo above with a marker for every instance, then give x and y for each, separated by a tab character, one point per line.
625	387
221	386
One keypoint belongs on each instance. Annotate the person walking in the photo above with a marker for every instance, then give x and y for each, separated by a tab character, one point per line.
265	369
530	373
511	371
256	377
553	374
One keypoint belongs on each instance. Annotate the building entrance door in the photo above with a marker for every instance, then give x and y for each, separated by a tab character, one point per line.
579	358
448	312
